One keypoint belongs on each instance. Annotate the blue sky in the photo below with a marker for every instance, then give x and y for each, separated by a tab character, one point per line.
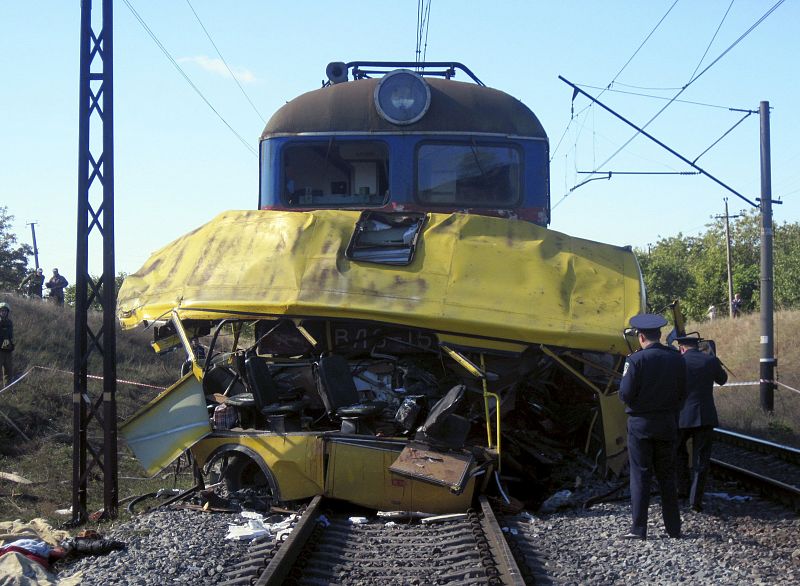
177	165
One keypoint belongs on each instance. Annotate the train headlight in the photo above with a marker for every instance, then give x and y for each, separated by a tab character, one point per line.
402	97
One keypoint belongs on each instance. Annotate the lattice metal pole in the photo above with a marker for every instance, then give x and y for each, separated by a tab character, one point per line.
95	174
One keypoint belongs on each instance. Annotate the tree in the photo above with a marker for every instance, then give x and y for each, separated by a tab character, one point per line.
693	268
13	256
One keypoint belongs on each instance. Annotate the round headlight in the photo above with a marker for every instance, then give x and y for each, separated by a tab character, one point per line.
402	97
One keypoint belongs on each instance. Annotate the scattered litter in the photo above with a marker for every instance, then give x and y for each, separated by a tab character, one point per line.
734	498
390	524
251	530
442	518
358	520
257	527
528	517
404	515
64	512
558	501
509	530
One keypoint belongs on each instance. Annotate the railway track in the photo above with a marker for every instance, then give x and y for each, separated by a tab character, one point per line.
770	468
332	549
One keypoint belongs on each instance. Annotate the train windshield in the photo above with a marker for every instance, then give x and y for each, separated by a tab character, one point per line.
336	174
473	174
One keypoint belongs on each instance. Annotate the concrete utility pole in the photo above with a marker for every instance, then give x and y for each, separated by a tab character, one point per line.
728	253
35	248
768	362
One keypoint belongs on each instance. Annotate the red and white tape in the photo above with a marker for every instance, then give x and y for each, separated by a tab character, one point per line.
92	376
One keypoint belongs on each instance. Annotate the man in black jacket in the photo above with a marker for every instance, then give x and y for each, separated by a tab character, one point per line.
57	284
6	344
698	416
653	388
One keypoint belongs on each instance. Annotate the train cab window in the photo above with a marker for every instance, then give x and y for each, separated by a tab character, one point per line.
335	174
468	174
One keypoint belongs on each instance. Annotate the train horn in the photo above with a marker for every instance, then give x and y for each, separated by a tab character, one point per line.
336	72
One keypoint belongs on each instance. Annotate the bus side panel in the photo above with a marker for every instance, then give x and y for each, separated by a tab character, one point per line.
360	474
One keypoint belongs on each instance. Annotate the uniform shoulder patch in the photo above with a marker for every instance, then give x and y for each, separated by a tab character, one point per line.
625	370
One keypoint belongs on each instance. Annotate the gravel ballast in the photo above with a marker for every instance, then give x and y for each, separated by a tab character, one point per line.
751	542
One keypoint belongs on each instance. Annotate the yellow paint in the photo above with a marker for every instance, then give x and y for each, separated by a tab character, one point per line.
169	424
472	276
295	460
360	474
355	473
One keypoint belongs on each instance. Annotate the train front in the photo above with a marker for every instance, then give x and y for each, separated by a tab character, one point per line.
394	326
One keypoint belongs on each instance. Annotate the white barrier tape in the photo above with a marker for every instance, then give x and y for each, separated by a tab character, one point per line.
757	383
750	384
26	373
787	387
92	376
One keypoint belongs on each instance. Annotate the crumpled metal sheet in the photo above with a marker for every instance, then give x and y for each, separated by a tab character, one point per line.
471	276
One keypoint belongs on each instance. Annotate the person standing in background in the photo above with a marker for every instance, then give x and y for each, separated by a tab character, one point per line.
57	284
6	344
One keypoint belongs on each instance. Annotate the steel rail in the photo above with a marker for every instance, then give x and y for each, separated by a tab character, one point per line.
771	487
283	564
509	571
788	453
279	566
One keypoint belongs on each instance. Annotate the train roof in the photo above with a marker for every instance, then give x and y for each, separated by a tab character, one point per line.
455	107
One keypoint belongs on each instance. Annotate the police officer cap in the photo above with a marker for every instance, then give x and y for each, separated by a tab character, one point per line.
648	321
688	340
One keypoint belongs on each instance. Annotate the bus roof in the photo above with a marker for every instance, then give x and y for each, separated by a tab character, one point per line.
455	107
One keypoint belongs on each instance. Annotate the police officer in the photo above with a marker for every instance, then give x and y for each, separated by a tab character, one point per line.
698	416
653	388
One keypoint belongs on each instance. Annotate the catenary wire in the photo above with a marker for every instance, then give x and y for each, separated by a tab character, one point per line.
247	145
691	81
711	42
233	75
639	48
727	132
663	98
427	30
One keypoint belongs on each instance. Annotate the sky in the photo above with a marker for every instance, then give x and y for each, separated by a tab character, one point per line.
177	164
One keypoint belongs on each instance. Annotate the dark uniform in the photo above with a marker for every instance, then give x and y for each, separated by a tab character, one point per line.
32	284
57	284
6	345
698	416
653	388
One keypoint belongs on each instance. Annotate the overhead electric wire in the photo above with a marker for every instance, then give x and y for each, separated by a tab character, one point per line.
247	145
711	42
690	82
427	30
727	132
639	48
736	42
233	75
597	87
423	18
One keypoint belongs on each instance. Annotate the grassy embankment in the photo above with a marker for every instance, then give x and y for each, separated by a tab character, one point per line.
41	406
738	346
